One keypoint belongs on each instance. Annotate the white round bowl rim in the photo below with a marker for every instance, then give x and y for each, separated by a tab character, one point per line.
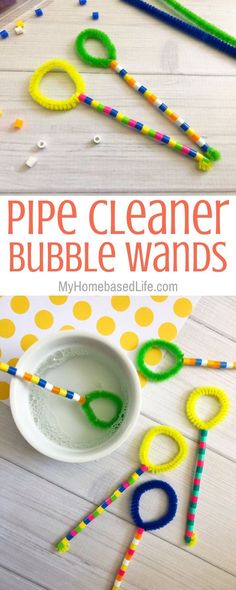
112	444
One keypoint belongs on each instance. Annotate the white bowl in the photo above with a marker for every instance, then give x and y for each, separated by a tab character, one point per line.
101	365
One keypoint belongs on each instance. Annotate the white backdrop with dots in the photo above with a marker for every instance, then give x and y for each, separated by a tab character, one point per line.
127	321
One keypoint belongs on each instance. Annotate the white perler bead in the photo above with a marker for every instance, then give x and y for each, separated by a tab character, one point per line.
41	144
19	30
31	162
97	139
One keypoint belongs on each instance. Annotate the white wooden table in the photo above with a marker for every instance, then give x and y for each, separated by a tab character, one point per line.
197	81
42	499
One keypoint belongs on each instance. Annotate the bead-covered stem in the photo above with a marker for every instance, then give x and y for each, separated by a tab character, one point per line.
128	556
191	362
36	380
64	545
190	535
203	162
164	109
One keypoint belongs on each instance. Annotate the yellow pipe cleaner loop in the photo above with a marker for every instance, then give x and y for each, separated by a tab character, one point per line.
50	103
222	398
147	441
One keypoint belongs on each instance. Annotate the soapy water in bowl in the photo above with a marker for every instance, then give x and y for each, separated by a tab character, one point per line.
63	421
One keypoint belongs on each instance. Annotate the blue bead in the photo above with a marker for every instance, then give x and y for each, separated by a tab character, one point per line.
42	383
192	153
184	126
113	113
38	12
205	147
4	34
86	520
198	362
69	394
223	365
163	107
138	126
142	89
165	139
95	15
12	370
82	2
88	100
122	73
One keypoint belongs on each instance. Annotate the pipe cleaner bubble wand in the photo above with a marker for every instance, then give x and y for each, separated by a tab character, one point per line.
78	97
184	27
84	401
146	466
204	427
142	525
180	361
111	62
201	22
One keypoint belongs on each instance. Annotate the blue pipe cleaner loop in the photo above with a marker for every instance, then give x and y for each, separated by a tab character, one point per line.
162	521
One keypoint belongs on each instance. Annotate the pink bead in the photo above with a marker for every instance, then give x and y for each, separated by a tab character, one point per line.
91	517
107	110
125	484
132	123
185	149
158	136
190	516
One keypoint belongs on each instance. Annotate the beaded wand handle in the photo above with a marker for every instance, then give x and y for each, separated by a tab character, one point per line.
201	22
25	376
159	105
183	26
191	362
64	544
203	425
128	556
190	535
110	61
79	96
141	525
203	162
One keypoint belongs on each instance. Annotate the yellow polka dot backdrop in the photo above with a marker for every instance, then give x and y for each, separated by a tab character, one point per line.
124	320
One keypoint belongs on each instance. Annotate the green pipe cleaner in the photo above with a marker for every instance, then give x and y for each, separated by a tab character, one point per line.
201	22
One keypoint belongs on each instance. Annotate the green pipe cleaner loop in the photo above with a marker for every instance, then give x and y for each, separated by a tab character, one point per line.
105	395
201	22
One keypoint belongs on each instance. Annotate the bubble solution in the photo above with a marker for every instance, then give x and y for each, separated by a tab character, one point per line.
81	369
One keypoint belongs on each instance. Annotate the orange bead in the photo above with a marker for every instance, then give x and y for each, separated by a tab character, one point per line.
18	123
